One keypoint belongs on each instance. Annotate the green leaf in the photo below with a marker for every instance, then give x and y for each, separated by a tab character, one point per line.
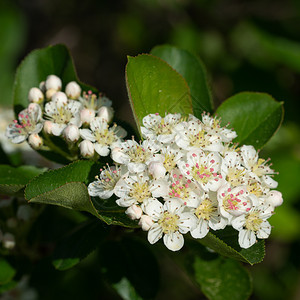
12	179
78	244
34	69
126	290
193	71
65	187
7	272
225	242
154	87
221	278
254	116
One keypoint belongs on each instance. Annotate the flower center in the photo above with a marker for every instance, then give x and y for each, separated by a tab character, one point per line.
203	174
205	210
235	176
255	188
140	191
253	221
169	222
138	154
180	189
163	128
104	136
232	202
199	140
169	162
62	115
109	178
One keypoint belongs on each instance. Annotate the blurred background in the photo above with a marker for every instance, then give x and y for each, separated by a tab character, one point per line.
245	45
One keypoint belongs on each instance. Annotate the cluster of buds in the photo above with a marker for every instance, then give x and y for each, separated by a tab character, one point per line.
188	176
82	119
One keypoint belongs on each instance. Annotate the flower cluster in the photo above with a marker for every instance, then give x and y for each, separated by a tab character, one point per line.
188	176
81	118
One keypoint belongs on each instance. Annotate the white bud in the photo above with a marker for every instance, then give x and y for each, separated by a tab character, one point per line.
50	93
24	212
157	169
53	82
274	198
35	95
71	133
145	222
73	90
134	212
106	113
42	86
48	127
87	148
60	98
87	115
35	141
8	241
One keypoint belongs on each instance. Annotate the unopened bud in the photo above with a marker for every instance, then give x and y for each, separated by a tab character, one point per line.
35	95
134	212
106	113
275	198
35	141
42	86
53	82
71	133
50	93
8	241
48	127
145	222
87	148
60	98
87	115
157	169
73	90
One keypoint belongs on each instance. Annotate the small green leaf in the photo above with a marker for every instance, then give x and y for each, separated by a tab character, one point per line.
65	187
7	272
254	116
225	242
12	179
221	279
78	244
154	87
193	71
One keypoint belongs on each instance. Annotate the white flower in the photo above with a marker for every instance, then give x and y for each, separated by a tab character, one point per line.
62	115
60	99
160	129
170	222
192	135
53	82
35	95
139	189
213	126
203	169
234	202
208	215
104	138
73	90
87	149
253	224
92	102
29	122
105	184
135	156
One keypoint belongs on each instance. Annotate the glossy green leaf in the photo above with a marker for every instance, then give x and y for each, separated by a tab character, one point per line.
78	244
12	179
254	116
193	71
66	187
221	279
154	87
225	242
7	272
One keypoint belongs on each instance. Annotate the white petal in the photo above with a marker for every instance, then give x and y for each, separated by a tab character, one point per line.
174	206
187	222
18	139
247	238
264	231
238	222
155	233
87	135
125	202
153	208
101	150
201	230
159	188
174	241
